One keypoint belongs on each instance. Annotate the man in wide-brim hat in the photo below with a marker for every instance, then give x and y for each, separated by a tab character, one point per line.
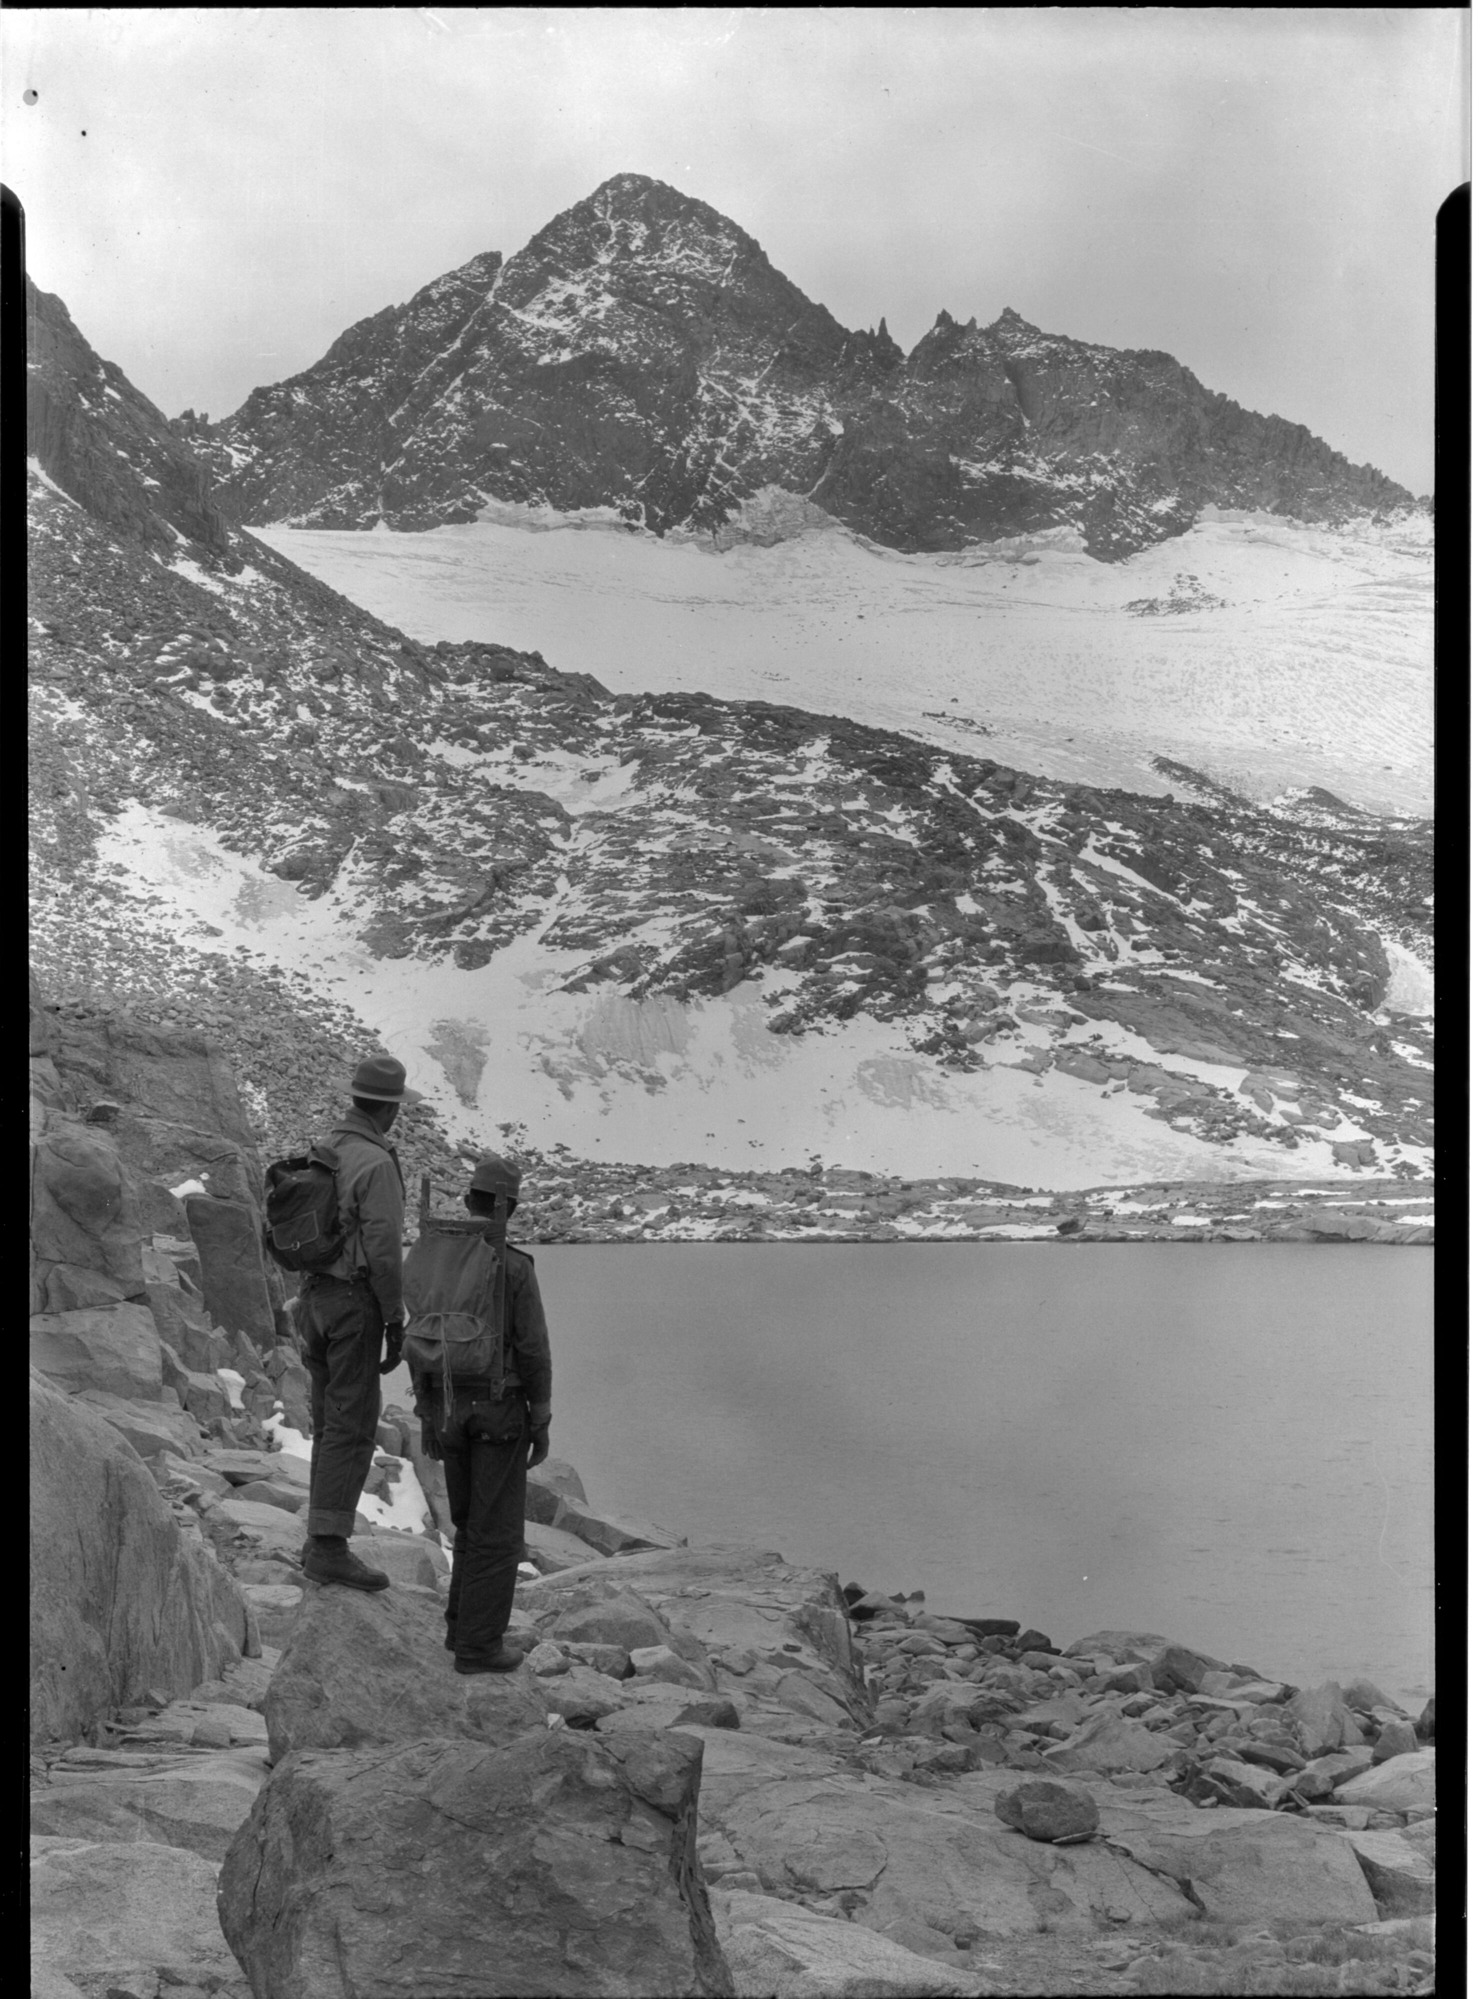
346	1313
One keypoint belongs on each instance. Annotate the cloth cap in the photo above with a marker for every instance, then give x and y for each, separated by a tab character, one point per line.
494	1175
382	1079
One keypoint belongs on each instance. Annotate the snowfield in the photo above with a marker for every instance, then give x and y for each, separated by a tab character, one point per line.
1269	655
620	1079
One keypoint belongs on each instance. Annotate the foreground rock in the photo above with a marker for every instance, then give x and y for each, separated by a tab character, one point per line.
555	1864
121	1602
363	1668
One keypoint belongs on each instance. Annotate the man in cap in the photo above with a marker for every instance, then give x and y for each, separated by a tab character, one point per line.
486	1445
344	1313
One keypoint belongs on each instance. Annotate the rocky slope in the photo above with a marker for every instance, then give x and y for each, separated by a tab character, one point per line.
641	354
225	752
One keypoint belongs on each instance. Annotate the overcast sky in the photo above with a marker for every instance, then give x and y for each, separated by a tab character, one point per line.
217	193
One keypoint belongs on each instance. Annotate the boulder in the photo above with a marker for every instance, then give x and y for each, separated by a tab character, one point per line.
272	1492
241	1523
167	1469
1272	1755
203	1396
86	1230
1318	1715
581	1697
228	1235
240	1468
150	1427
1109	1742
121	1601
275	1606
1177	1669
551	1550
1399	1873
546	1659
1362	1696
1231	1782
1394	1738
661	1662
118	1914
784	1950
111	1348
609	1659
556	1476
1262	1868
390	1871
1044	1809
620	1619
1118	1645
609	1533
371	1668
951	1701
1402	1784
198	1804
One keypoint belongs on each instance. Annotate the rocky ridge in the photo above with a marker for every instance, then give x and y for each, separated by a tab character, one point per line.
641	354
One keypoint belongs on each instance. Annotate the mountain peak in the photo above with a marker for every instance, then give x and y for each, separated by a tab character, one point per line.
642	353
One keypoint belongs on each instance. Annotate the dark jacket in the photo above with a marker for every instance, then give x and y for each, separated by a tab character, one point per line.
526	1339
372	1209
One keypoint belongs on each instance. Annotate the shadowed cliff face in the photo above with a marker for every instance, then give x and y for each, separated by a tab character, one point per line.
106	446
641	353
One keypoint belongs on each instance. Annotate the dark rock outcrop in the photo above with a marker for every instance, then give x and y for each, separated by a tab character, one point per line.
642	353
107	447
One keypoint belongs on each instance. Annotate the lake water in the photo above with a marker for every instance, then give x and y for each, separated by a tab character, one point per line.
1231	1444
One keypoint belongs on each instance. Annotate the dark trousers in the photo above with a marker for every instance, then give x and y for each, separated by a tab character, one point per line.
341	1329
485	1495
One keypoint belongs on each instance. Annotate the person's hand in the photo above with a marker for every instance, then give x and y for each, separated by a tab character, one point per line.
539	1444
431	1443
395	1337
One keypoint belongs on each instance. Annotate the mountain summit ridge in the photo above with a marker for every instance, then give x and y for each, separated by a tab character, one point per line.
642	353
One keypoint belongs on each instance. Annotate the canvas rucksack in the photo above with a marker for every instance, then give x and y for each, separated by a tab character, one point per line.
300	1225
452	1284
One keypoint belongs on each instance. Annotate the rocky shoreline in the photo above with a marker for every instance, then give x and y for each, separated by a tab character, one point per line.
820	1792
716	1771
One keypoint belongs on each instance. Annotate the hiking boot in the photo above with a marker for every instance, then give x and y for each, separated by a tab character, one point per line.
328	1560
501	1661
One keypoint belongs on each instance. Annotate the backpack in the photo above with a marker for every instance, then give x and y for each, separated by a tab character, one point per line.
300	1225
452	1285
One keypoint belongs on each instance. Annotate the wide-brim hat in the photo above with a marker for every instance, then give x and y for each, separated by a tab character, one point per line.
496	1175
382	1079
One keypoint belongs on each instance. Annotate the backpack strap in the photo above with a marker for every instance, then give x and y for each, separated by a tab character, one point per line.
498	1235
425	1215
